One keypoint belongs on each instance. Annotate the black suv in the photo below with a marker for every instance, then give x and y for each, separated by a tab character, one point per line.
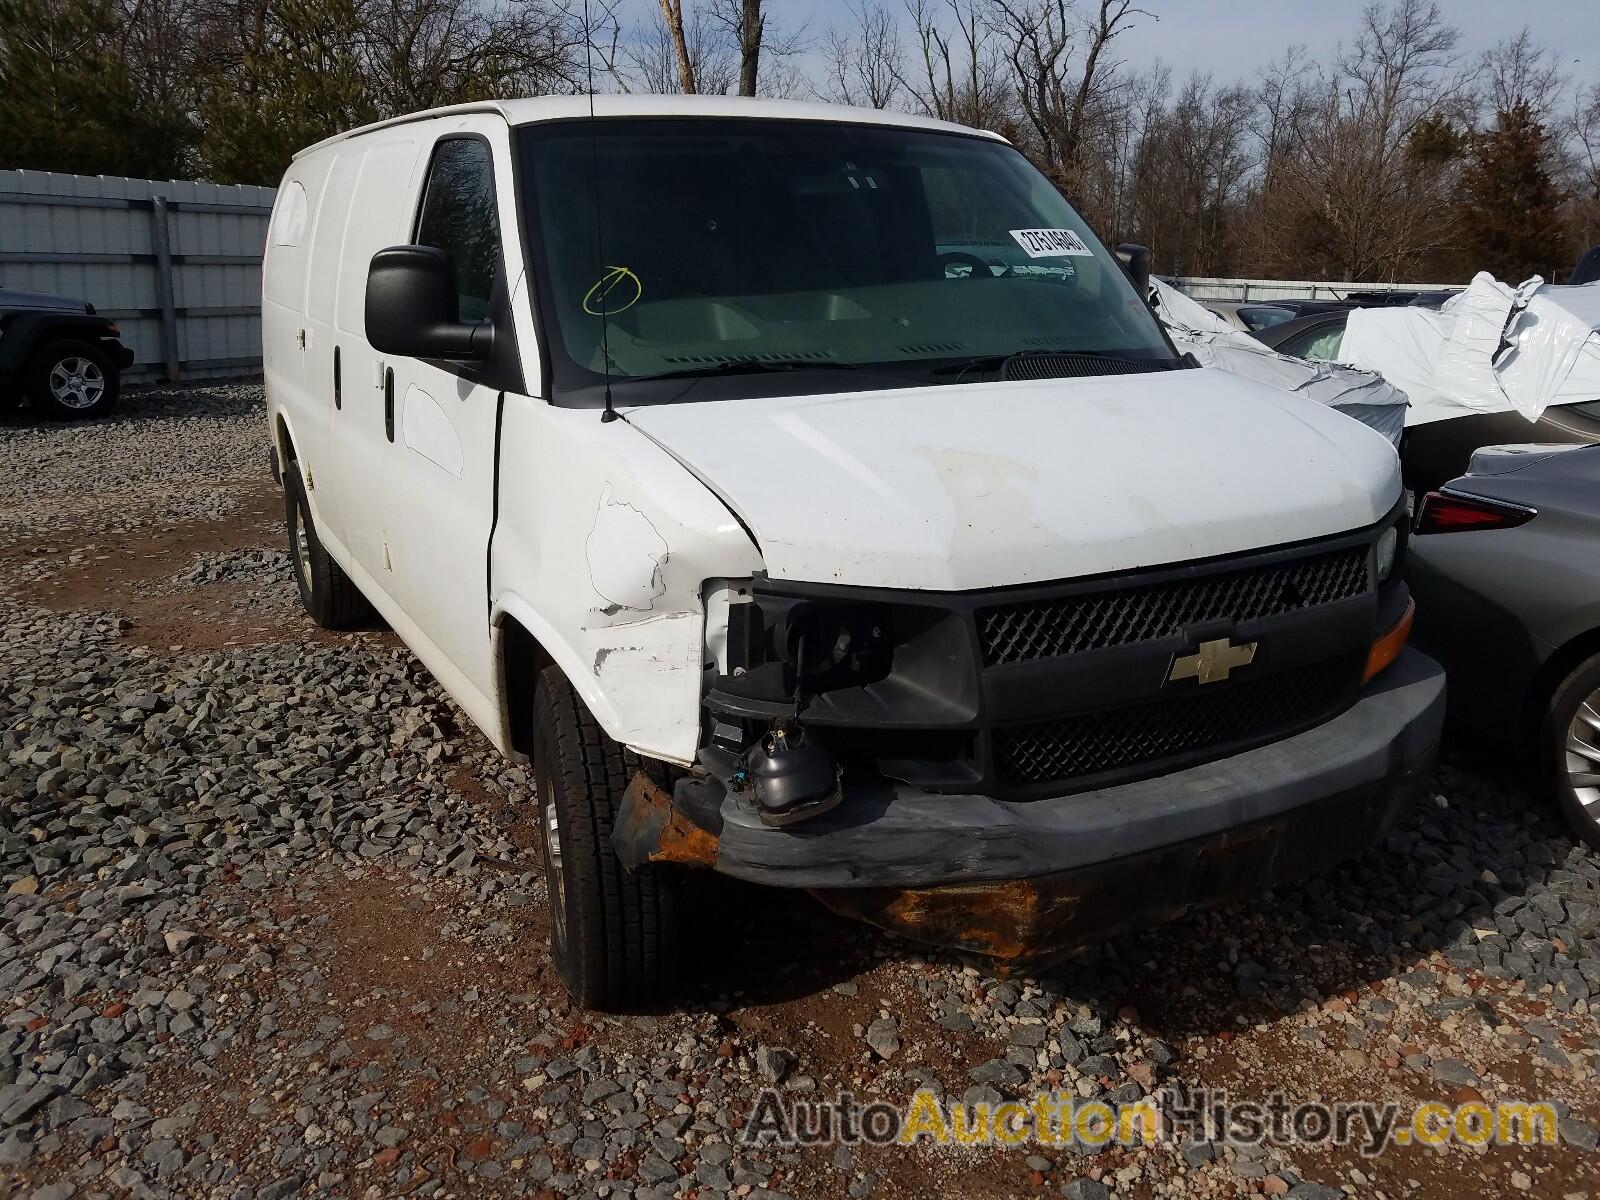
59	354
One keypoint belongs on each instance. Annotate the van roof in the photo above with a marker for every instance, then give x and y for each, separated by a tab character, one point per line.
561	108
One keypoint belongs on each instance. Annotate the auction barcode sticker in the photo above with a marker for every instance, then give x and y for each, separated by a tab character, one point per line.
1051	243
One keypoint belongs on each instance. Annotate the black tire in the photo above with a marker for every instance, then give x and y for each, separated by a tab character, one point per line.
1557	765
614	933
72	380
327	593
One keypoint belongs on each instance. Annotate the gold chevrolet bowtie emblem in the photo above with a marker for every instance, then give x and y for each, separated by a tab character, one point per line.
1212	661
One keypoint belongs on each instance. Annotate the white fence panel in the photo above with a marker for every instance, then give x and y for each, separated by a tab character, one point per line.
177	265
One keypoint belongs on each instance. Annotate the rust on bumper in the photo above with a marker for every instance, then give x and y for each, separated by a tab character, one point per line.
1012	921
649	829
1030	920
1037	918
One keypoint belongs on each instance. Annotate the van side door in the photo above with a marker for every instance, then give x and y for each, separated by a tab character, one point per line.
439	484
379	214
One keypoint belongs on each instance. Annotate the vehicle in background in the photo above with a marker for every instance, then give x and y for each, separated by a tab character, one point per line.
1260	315
1505	567
1440	450
1306	308
1400	299
1430	299
60	354
1316	336
1250	317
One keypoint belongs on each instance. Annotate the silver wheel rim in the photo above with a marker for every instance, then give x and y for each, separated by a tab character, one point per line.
1583	755
555	874
77	382
301	539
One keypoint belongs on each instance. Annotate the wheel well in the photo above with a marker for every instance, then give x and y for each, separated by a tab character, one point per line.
285	443
521	660
1549	676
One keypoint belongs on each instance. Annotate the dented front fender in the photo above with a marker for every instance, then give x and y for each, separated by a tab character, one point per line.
602	550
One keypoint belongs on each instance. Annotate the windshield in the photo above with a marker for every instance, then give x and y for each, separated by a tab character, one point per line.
818	256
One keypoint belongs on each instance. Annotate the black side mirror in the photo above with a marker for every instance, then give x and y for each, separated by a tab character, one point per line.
1135	261
411	307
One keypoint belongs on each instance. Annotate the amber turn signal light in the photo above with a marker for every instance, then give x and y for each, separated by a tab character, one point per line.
1387	648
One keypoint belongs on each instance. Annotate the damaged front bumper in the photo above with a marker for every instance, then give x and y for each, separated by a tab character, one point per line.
1027	878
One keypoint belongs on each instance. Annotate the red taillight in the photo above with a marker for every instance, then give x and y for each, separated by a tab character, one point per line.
1448	512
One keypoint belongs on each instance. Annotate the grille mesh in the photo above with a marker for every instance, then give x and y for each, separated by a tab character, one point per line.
1061	625
1197	719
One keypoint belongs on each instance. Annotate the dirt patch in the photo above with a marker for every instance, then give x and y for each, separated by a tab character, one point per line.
130	575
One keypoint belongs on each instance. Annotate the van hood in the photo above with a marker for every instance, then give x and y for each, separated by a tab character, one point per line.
984	485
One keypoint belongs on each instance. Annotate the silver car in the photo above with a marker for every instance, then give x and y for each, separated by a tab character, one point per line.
1504	565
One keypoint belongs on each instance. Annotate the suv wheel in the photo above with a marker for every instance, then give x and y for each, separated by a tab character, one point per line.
327	593
1569	750
613	932
71	379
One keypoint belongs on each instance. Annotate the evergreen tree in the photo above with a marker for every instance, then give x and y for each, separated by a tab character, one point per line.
299	79
1510	206
67	104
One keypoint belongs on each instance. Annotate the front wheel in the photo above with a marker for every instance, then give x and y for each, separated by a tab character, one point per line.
1569	750
328	594
72	379
613	932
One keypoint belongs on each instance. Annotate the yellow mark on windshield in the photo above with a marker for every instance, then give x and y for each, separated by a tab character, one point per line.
605	293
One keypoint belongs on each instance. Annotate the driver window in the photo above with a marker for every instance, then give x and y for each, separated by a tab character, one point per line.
458	216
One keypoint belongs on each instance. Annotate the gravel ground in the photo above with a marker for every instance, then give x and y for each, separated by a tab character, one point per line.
273	927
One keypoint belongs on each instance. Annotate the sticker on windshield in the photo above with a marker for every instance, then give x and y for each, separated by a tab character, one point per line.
1051	243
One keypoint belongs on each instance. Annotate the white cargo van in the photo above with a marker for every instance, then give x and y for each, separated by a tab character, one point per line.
815	499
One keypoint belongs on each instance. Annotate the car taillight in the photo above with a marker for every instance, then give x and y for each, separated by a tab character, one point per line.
1449	512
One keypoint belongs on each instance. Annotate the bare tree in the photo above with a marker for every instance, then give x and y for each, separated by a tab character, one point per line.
658	54
1583	130
749	28
1517	71
1191	172
866	60
424	53
672	16
961	76
1055	84
1364	188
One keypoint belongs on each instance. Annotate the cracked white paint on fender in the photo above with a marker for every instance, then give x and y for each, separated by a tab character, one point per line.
625	555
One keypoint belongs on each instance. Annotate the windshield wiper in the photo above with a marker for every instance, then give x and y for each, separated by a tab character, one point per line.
749	366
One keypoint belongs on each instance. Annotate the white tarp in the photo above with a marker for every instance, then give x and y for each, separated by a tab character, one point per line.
1361	394
1491	348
